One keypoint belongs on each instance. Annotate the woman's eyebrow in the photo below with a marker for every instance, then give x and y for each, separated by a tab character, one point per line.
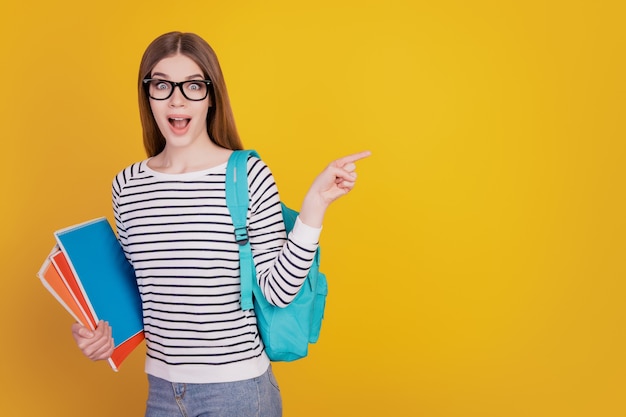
166	77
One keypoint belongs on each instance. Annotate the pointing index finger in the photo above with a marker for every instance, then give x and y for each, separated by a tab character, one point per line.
353	158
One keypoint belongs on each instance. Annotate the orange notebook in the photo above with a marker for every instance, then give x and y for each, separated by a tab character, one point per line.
59	288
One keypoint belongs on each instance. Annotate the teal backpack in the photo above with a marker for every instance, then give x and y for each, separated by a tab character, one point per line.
286	331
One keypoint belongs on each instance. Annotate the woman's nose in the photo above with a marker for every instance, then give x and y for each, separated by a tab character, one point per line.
177	98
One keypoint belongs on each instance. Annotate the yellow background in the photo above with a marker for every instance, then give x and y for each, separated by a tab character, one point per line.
478	268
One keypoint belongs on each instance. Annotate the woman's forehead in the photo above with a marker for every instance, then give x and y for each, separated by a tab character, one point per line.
177	66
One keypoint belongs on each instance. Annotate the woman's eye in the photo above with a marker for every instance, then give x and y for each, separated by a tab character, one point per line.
161	86
195	86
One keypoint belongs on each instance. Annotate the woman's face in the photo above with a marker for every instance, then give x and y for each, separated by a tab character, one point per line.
181	121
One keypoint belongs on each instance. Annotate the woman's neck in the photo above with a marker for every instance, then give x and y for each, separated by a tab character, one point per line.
178	160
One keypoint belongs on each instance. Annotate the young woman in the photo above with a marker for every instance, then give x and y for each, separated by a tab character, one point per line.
204	353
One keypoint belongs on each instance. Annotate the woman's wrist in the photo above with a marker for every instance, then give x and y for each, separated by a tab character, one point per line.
312	211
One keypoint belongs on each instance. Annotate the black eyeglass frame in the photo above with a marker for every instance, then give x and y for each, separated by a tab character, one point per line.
174	84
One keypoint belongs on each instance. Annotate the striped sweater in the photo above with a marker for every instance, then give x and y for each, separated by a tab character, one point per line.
178	235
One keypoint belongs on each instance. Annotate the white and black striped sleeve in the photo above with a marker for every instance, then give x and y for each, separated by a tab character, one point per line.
282	262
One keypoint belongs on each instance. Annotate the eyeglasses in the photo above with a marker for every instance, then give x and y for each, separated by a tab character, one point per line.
194	90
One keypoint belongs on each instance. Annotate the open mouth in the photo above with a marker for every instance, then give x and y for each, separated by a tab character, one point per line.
178	122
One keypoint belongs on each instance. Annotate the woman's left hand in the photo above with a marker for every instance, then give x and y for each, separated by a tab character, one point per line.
335	181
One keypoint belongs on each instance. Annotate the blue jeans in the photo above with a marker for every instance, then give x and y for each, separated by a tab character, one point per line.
256	397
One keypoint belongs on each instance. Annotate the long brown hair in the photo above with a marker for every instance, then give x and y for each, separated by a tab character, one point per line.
220	120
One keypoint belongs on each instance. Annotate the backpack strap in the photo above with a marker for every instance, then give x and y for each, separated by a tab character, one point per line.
238	201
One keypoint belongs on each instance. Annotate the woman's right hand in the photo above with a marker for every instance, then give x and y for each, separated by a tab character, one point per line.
95	344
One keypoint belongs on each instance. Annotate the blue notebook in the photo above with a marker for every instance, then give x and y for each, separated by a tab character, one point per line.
105	277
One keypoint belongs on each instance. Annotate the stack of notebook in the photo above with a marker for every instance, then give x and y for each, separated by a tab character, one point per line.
88	273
